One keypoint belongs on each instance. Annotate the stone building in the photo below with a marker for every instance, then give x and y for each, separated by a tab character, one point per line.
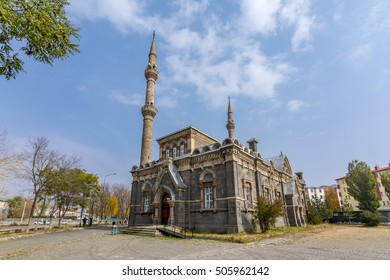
201	183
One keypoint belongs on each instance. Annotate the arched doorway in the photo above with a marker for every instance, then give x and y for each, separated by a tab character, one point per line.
165	211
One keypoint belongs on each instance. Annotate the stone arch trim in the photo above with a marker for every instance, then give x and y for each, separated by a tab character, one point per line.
166	146
206	149
227	141
174	143
217	146
146	186
207	171
160	191
182	141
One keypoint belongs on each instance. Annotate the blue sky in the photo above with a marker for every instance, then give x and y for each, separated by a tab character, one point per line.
308	78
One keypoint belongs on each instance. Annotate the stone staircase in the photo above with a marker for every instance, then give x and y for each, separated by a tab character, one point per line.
154	231
142	230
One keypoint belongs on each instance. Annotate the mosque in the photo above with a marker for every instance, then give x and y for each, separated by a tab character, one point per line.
204	184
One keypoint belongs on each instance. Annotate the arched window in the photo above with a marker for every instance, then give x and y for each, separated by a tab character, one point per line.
146	202
248	192
167	155
146	195
174	151
182	149
208	195
267	195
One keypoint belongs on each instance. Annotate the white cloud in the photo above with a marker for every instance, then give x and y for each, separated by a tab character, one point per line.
300	40
295	105
248	72
359	53
268	17
297	13
124	14
367	32
259	16
188	8
168	102
134	99
220	56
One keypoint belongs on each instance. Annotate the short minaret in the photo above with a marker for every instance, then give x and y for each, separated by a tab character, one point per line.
230	123
148	110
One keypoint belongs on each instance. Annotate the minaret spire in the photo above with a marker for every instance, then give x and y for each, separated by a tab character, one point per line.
230	123
148	110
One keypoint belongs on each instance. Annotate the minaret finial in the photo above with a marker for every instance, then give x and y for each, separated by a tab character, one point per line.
230	123
152	50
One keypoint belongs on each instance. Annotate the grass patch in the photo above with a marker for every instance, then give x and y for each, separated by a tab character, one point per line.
244	237
22	232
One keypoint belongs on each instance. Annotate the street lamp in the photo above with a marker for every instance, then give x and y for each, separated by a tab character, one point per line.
104	182
104	185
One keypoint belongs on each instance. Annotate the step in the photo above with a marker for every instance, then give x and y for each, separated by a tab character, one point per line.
139	230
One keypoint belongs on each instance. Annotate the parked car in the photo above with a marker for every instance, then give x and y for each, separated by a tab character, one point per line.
42	222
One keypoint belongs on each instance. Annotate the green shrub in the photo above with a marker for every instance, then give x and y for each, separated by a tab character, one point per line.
371	219
267	212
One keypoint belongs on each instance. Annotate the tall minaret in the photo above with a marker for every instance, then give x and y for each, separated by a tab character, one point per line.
230	123
148	110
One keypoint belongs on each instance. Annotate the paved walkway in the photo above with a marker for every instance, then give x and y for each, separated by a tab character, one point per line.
335	242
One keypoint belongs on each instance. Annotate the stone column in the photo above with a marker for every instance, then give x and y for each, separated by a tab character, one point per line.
156	215
171	219
201	195
215	194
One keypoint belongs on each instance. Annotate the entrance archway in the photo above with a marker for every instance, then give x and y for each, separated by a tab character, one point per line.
165	210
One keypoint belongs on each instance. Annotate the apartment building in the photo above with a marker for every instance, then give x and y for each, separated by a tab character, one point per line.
380	190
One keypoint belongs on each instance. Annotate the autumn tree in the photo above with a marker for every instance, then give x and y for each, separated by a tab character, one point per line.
123	194
112	206
102	200
361	185
18	206
15	207
39	28
267	212
331	199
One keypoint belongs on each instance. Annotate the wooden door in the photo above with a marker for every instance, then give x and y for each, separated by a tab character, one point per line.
164	209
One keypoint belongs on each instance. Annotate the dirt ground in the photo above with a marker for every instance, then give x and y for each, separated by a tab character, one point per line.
334	242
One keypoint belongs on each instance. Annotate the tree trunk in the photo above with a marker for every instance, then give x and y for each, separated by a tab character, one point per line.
30	222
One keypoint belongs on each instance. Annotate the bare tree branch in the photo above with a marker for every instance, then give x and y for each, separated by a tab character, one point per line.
10	163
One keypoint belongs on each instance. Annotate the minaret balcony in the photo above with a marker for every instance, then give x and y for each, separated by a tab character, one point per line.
151	73
230	125
148	110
